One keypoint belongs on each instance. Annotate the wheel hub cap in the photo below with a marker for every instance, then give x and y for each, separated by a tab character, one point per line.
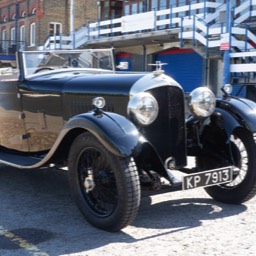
89	183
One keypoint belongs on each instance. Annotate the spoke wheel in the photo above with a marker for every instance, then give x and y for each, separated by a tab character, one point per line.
243	186
106	188
97	182
241	161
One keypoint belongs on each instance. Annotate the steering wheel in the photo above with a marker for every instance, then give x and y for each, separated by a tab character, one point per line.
43	68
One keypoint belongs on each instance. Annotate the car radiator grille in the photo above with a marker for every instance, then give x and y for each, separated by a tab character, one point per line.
167	133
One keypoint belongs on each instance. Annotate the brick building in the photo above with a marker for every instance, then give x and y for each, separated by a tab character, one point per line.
30	22
143	31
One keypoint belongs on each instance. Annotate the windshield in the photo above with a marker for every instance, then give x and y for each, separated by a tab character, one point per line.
37	61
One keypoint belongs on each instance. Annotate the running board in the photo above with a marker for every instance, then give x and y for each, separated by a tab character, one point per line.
20	161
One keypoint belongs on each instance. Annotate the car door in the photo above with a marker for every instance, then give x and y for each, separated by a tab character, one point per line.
12	129
41	104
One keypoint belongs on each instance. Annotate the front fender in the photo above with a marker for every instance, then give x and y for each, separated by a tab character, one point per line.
228	122
114	131
120	137
237	112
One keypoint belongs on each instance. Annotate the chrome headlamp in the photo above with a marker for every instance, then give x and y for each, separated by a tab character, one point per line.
99	102
201	102
143	107
227	89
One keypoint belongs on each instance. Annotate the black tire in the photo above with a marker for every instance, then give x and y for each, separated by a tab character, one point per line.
243	187
106	188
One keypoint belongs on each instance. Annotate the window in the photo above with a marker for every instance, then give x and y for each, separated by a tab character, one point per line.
154	5
3	40
4	35
13	35
22	33
55	29
161	4
111	9
127	10
23	14
33	12
32	34
133	7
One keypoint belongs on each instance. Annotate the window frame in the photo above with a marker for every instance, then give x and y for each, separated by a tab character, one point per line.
55	28
13	35
22	33
32	34
3	35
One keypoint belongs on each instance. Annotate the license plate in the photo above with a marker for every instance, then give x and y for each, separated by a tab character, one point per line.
208	178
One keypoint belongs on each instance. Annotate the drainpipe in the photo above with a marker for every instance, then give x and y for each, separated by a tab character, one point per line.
226	57
72	22
144	57
99	9
16	23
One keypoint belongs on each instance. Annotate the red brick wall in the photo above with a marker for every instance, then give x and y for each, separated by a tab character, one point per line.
57	11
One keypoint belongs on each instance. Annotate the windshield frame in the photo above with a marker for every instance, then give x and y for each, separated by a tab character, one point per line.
87	59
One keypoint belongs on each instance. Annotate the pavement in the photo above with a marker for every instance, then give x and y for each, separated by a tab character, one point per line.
38	217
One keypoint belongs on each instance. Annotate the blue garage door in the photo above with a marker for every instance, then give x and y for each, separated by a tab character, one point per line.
185	66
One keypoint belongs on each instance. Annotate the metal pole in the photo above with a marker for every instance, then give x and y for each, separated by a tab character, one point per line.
226	57
99	17
181	32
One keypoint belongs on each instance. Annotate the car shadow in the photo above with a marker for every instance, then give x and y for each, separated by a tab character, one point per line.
185	212
37	209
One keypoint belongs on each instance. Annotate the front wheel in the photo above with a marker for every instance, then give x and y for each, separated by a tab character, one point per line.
106	188
243	186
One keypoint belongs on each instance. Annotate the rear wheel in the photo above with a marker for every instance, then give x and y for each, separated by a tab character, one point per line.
243	186
106	188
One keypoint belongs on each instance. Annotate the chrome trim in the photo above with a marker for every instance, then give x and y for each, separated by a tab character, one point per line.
150	81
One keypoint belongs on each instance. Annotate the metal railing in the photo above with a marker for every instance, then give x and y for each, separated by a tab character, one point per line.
208	31
169	18
10	47
159	20
199	22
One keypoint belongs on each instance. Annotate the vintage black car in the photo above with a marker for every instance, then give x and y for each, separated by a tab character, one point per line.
117	132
